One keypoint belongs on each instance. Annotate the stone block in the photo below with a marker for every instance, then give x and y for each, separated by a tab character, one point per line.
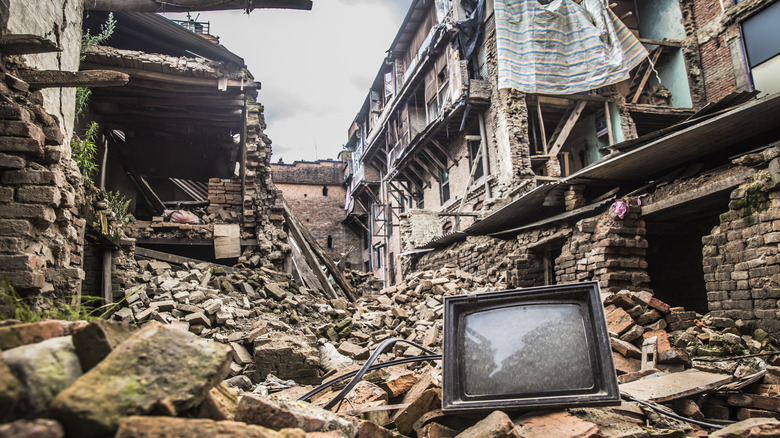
18	128
625	365
427	401
9	391
43	369
560	424
150	427
397	380
128	382
495	425
15	227
627	349
95	341
287	357
752	427
220	404
19	144
38	428
363	395
39	195
11	161
240	354
198	318
38	214
353	351
12	336
281	414
32	177
618	320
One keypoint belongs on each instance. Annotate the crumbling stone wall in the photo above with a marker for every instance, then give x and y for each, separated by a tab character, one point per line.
740	255
507	128
263	212
607	249
41	249
603	248
418	227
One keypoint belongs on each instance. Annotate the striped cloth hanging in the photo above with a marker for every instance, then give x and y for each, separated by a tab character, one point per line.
562	47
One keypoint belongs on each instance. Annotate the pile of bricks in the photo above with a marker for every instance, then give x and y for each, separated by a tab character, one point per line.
224	193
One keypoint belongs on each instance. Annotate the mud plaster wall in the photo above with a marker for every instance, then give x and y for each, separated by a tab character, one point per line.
60	22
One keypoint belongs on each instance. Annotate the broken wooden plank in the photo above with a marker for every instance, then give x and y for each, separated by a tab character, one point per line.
308	254
675	385
173	258
67	79
25	44
303	269
227	242
565	126
332	268
172	78
192	5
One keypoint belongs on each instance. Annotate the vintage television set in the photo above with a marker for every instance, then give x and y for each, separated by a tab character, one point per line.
527	348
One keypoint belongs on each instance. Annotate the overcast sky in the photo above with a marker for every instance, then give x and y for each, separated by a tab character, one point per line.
315	66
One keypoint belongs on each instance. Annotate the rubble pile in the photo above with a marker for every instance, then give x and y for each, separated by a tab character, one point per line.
274	340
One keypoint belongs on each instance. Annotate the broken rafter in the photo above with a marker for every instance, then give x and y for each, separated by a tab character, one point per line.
57	79
192	5
442	150
26	44
306	238
175	79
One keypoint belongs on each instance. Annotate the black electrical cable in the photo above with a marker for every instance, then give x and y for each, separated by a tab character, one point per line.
377	366
671	414
366	366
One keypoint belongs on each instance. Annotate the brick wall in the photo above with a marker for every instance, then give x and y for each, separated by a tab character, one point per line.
224	193
740	255
321	213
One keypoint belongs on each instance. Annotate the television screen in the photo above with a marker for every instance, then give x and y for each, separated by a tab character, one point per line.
537	347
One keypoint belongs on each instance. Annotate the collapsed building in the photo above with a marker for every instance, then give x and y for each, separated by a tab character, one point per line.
316	193
629	143
178	136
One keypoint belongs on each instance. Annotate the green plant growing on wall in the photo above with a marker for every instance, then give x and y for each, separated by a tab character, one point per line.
88	40
118	204
84	152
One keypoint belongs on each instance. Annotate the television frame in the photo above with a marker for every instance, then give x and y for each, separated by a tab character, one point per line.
587	295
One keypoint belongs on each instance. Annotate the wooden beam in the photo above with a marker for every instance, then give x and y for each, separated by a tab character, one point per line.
60	79
173	78
541	126
26	44
296	229
431	156
443	150
334	270
564	128
426	166
173	258
192	5
173	102
417	173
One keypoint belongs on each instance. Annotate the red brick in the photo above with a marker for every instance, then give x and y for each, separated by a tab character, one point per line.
559	424
495	425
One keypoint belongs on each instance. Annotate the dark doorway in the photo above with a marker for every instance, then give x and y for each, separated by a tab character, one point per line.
674	253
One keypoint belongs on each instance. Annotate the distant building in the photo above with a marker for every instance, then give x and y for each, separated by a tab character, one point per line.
315	191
